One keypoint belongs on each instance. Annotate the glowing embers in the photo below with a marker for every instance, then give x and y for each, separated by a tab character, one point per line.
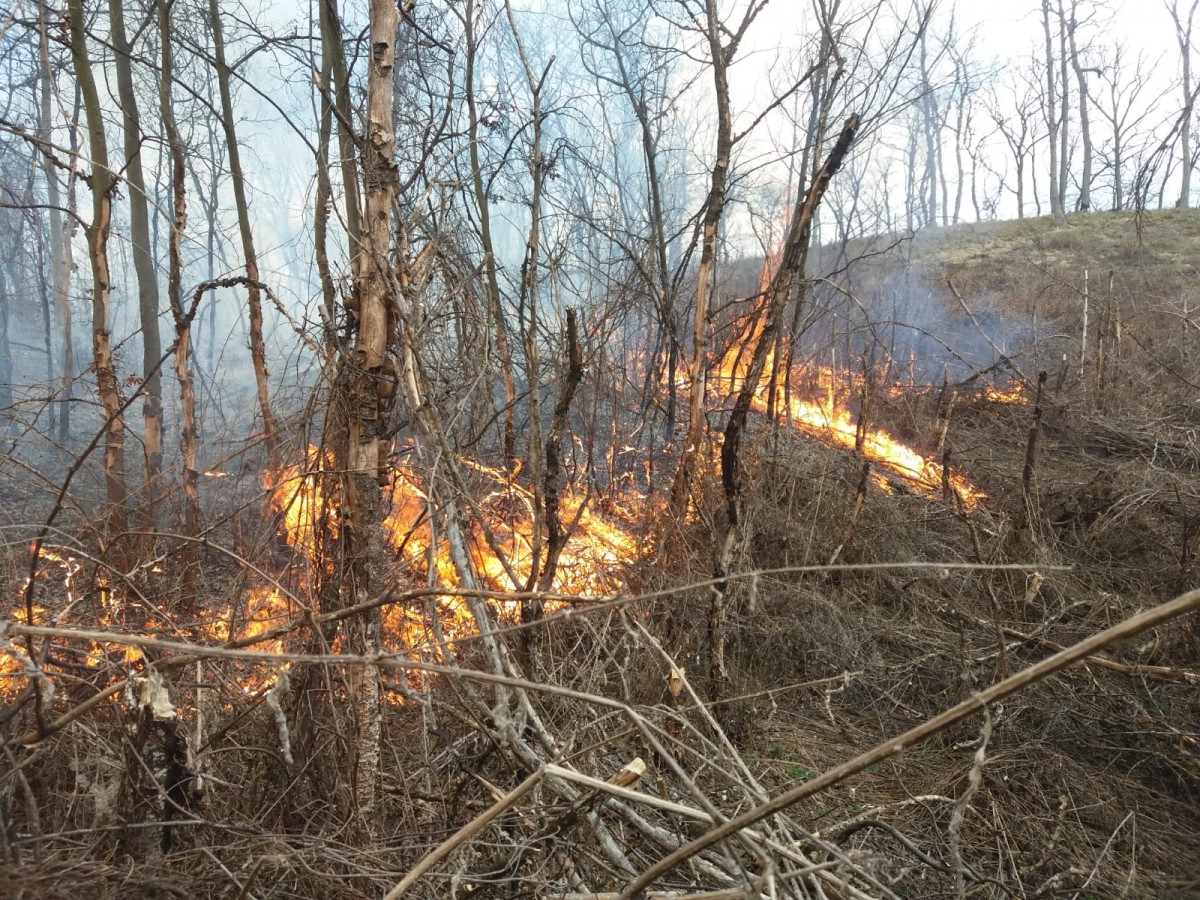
993	394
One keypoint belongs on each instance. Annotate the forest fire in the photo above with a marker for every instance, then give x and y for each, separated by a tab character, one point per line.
825	415
505	550
506	547
501	539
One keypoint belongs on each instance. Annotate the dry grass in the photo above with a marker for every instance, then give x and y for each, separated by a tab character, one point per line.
1089	785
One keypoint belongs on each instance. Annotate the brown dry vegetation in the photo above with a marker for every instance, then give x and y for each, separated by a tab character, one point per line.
1089	784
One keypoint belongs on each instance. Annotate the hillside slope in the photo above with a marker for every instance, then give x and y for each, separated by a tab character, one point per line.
1091	784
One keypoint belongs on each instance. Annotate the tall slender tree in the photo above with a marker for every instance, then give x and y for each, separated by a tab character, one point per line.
61	245
102	182
189	432
143	255
1052	113
1183	18
258	353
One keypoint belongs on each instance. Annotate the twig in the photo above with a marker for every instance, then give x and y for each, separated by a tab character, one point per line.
1162	673
957	817
1000	353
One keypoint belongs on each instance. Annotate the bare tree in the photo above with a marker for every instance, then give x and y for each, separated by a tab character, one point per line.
1055	124
143	256
1122	103
354	427
722	42
103	183
258	355
189	430
1081	71
61	244
639	74
471	21
1183	18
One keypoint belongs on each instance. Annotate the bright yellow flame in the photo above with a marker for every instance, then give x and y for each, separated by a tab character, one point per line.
829	420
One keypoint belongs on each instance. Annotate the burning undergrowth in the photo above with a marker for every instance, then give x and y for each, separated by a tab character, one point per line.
825	663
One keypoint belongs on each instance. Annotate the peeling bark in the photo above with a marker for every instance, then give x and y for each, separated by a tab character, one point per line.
714	208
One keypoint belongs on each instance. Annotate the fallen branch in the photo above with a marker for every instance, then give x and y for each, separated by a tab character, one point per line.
463	834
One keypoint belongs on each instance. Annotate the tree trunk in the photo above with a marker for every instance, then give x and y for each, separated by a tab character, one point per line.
1064	149
143	260
1183	34
714	208
258	355
930	120
777	294
61	252
364	384
1050	109
189	437
483	205
7	413
324	195
529	303
635	94
333	46
1085	130
103	183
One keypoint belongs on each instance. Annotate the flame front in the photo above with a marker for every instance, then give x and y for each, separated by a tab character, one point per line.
504	540
824	415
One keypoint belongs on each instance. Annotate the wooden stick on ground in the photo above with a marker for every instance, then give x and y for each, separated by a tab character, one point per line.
465	833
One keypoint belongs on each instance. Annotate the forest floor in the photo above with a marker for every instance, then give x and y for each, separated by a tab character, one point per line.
1085	784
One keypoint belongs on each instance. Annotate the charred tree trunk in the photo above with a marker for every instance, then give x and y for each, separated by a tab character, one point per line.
556	534
364	381
774	302
324	195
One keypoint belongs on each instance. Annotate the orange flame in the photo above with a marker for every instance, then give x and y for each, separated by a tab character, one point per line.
828	419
